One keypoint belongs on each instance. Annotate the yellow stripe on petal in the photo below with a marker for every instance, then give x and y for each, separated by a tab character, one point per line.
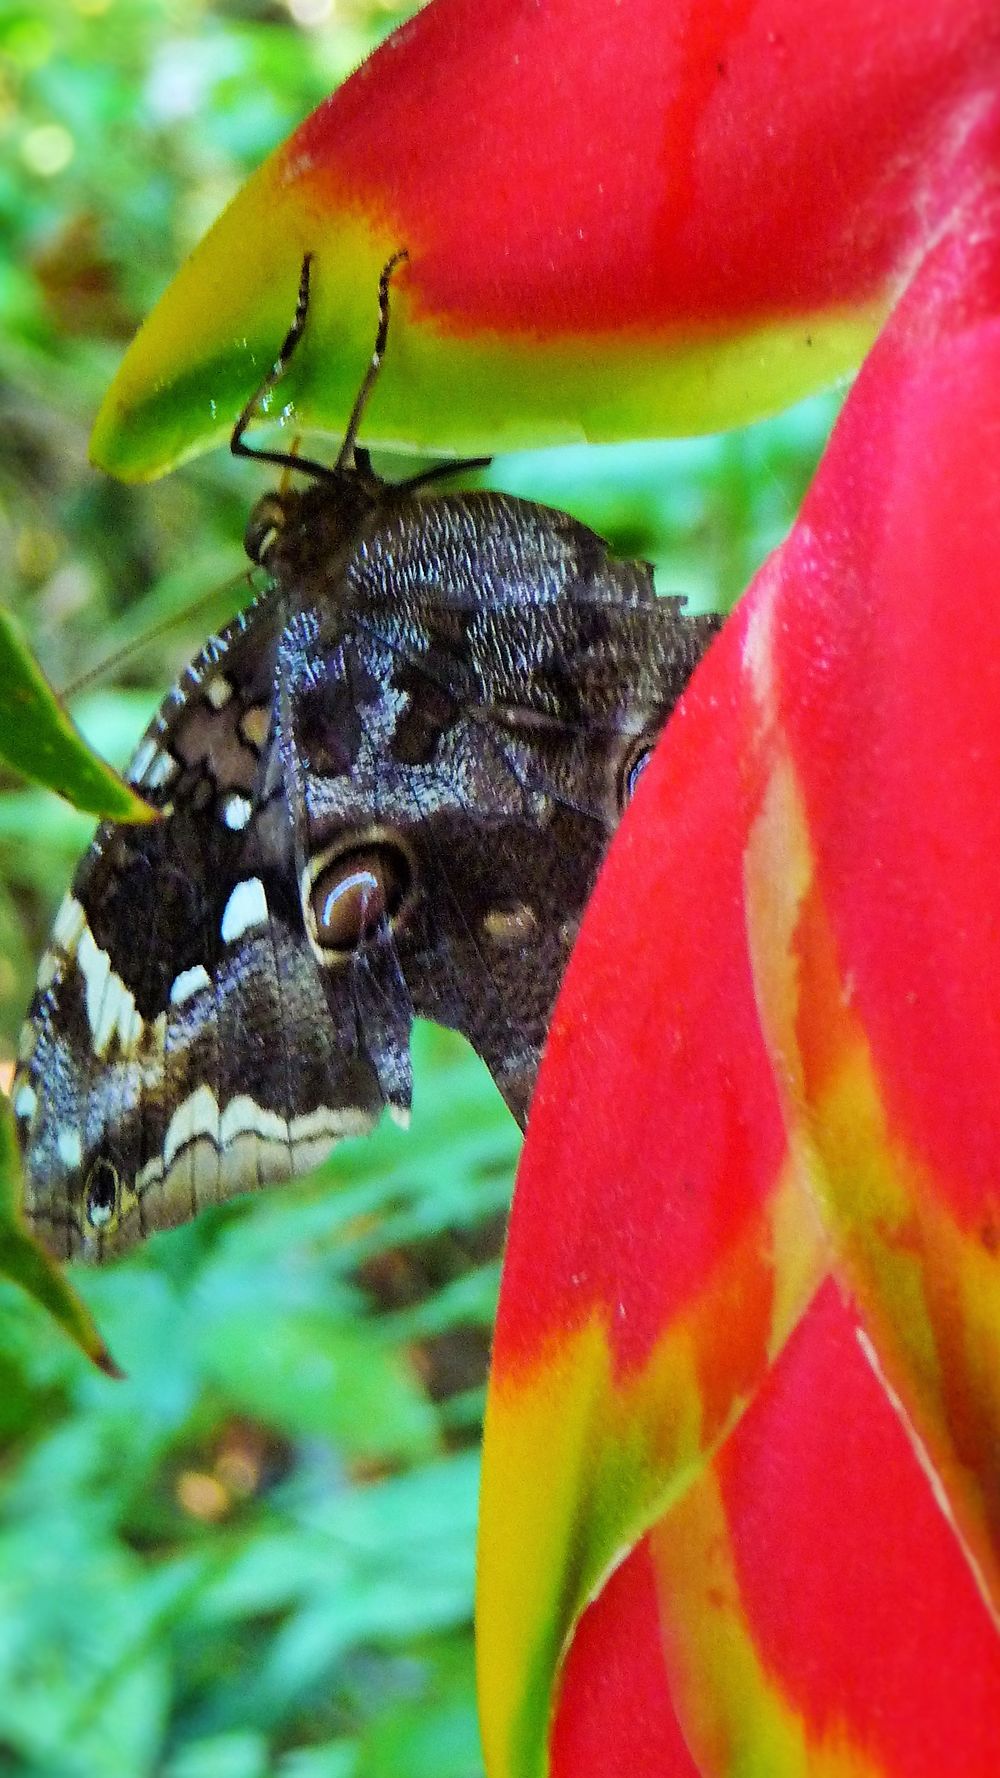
579	1462
929	1294
734	1712
929	1291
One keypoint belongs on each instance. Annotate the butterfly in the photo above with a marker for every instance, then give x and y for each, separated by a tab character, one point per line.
385	791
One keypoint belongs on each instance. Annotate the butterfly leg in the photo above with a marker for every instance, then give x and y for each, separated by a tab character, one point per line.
348	455
237	442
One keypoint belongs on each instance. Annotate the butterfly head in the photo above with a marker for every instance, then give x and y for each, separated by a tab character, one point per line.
289	529
270	518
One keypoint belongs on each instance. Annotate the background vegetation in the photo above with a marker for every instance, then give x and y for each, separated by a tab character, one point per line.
255	1555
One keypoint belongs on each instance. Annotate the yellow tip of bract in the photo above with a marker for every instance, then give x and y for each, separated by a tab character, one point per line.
594	246
206	345
218	328
457	380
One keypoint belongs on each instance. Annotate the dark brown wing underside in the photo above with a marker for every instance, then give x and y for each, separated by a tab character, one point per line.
460	691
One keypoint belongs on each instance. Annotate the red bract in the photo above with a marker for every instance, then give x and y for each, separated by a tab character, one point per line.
775	1061
804	1609
621	220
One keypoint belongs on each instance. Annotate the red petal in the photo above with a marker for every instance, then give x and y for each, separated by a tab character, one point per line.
884	658
805	1610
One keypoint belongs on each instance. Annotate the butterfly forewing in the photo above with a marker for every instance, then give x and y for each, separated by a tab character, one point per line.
482	721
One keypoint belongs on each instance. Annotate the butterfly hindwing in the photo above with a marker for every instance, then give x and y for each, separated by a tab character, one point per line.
178	1036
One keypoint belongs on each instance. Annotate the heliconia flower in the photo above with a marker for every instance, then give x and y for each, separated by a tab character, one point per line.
770	1103
804	1610
621	221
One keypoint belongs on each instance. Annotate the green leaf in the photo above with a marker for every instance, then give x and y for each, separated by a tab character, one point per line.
237	1755
82	1690
307	1373
336	1759
26	1262
39	739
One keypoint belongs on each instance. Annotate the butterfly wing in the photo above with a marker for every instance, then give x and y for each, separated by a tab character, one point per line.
178	1048
466	719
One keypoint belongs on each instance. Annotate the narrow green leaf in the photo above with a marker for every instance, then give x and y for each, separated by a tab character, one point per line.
26	1262
39	739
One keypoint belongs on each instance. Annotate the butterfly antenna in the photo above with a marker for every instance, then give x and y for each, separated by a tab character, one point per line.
345	456
129	650
237	442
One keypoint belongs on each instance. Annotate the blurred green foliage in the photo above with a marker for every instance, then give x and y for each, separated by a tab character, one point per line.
255	1555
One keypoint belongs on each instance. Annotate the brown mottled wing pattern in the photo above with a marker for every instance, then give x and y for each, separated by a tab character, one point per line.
481	694
386	791
178	1047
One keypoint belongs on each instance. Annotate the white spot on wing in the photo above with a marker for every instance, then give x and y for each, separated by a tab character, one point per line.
236	812
256	726
110	1005
246	908
149	1174
142	759
95	967
325	1125
69	923
69	1148
198	1115
510	925
244	1117
255	1145
48	968
218	692
163	769
188	983
25	1102
117	1013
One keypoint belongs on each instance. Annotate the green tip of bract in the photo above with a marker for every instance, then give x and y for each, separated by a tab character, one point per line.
39	739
